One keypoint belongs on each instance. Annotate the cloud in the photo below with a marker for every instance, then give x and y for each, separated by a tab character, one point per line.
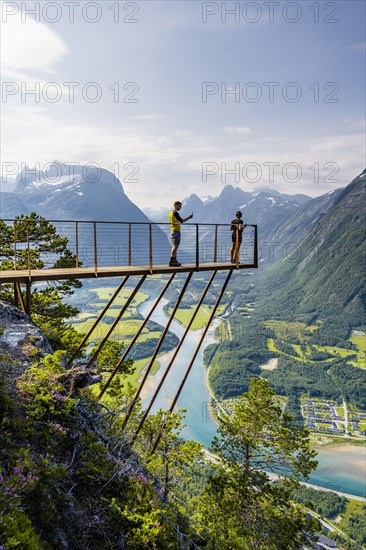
166	162
29	45
336	144
361	46
146	117
237	130
355	124
183	133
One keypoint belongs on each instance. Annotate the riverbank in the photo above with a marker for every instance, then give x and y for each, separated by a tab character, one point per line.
341	468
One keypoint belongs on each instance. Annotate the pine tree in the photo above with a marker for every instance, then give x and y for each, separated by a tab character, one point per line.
38	246
243	506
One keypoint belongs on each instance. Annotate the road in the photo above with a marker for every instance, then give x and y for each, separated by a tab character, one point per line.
346	430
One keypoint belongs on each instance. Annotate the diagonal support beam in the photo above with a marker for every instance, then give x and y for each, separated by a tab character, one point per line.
174	355
158	346
126	352
184	379
18	297
115	322
28	298
96	322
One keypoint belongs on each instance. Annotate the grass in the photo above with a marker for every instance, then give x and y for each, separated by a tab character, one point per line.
105	293
360	341
342	352
300	356
244	310
86	315
133	378
222	333
272	347
124	330
286	330
312	328
296	330
113	312
352	507
139	367
183	316
297	348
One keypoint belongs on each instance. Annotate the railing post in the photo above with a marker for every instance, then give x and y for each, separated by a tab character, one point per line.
28	299
255	246
237	246
16	301
150	248
215	245
77	243
95	250
197	249
129	244
28	249
15	245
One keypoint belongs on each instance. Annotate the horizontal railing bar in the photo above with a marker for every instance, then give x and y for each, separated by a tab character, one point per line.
118	222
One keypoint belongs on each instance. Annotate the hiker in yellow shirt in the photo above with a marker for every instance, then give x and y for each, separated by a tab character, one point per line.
175	220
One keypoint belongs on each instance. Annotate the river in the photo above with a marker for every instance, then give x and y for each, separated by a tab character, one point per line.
341	467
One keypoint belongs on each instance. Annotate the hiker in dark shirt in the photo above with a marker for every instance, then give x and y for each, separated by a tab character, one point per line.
236	227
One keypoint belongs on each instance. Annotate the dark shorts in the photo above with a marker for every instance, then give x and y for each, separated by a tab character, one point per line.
233	238
175	236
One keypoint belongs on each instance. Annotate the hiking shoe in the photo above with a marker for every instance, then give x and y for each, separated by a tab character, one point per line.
174	263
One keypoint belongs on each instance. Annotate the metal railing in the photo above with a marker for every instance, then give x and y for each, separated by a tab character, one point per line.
95	244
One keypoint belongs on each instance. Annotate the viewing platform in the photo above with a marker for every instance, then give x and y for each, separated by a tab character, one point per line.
113	249
127	249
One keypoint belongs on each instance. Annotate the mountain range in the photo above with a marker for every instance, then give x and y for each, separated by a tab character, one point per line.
89	193
283	220
70	192
75	192
267	208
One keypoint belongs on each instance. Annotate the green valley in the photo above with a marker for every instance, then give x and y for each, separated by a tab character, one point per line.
92	304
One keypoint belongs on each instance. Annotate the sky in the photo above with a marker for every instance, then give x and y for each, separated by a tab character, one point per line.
186	97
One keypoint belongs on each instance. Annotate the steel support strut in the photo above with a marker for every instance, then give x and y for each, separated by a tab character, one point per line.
158	346
86	337
175	354
18	297
113	374
195	354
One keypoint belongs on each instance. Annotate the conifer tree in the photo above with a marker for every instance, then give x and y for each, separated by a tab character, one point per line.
243	506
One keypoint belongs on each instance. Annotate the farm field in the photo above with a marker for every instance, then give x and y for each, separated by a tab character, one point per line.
132	379
183	316
126	328
342	352
296	331
105	293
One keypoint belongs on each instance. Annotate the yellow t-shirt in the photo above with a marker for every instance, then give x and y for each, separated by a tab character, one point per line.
175	220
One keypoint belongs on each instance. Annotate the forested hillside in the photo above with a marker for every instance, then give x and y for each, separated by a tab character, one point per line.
301	311
324	276
71	476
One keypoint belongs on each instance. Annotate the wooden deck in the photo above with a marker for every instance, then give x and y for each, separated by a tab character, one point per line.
23	276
